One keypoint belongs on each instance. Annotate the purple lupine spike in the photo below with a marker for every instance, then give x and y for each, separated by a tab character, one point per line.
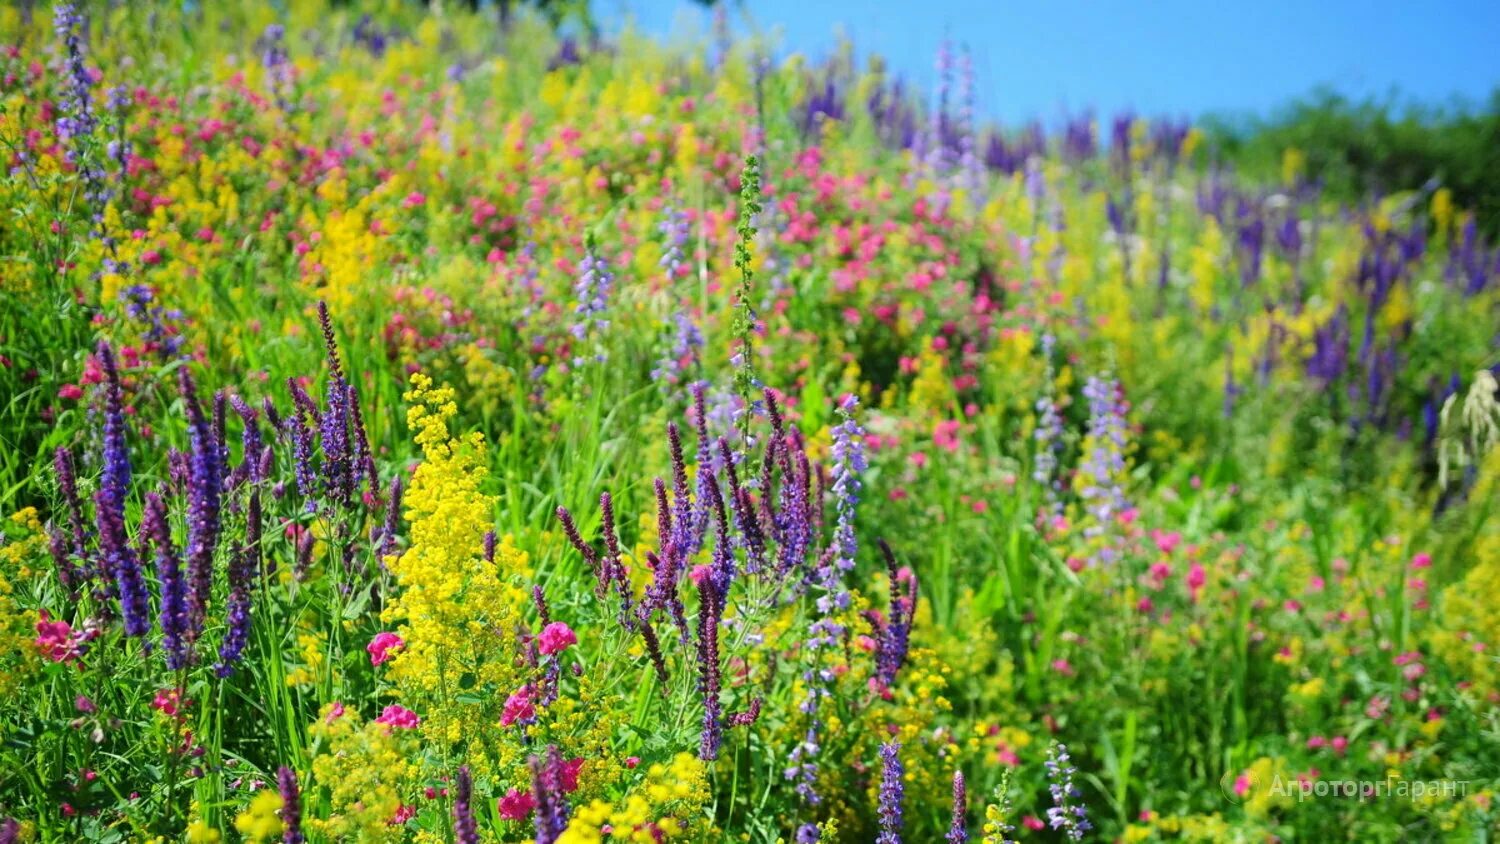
364	458
683	517
304	554
333	430
120	560
302	461
749	716
958	832
252	446
244	566
710	610
173	614
892	791
653	648
291	806
705	469
539	598
465	830
221	443
204	488
551	815
1064	814
595	282
386	547
895	639
613	565
489	546
723	569
590	556
67	484
115	482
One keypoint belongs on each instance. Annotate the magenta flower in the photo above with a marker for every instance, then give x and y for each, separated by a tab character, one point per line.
518	707
383	646
396	715
517	805
556	638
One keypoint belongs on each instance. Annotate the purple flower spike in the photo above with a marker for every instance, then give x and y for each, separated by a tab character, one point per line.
892	791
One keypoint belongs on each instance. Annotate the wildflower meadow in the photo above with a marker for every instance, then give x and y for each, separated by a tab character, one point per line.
424	424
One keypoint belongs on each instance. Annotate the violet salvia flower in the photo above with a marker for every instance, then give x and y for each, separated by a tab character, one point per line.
892	791
244	566
78	121
338	456
1104	465
278	65
710	612
1065	814
592	290
386	545
120	559
1048	435
302	461
205	502
72	568
552	810
465	830
291	806
971	171
251	444
938	129
958	832
894	641
173	614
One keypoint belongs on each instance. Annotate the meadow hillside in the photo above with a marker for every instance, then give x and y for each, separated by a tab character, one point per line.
417	428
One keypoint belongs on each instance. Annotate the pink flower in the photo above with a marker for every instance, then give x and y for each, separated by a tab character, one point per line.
1316	742
1033	822
1166	542
396	715
1061	666
1196	577
71	392
1339	744
1241	785
516	805
1421	561
568	776
632	761
403	814
518	707
556	638
413	199
945	434
335	712
56	639
382	645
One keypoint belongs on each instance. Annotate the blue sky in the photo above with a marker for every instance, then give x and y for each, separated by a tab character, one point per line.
1040	59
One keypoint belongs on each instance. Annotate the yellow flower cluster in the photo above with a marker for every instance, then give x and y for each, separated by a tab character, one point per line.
455	609
261	820
670	804
364	767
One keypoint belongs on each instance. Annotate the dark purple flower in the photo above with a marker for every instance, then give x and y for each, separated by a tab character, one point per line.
552	810
465	830
291	806
173	615
958	832
244	566
205	501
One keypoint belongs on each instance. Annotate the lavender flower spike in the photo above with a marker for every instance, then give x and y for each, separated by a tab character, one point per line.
892	790
958	832
291	807
1064	814
120	559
